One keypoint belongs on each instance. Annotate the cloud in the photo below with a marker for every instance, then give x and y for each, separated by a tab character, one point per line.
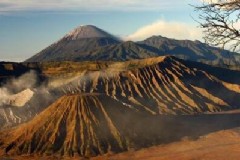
89	5
176	30
210	1
216	1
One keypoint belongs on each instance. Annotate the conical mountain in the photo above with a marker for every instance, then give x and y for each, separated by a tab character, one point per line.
88	31
81	125
75	45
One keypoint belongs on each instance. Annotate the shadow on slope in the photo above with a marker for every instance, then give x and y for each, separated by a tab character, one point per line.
165	129
231	76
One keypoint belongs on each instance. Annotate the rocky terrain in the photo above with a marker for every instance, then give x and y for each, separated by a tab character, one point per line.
101	107
163	85
167	86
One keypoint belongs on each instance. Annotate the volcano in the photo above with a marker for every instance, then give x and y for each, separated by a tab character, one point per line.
76	45
80	125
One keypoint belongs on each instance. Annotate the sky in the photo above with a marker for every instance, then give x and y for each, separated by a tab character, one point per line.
29	26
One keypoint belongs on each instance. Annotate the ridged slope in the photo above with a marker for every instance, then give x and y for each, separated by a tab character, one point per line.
161	85
79	125
171	86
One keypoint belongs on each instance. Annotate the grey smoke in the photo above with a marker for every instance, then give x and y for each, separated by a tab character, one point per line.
26	84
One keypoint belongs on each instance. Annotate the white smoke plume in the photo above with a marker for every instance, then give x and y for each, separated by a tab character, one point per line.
18	91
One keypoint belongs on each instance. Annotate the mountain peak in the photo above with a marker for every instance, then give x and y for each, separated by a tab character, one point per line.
87	31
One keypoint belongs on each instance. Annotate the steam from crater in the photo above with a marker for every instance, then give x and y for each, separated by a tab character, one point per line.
18	91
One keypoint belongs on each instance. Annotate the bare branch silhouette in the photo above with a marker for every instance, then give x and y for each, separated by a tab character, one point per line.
220	21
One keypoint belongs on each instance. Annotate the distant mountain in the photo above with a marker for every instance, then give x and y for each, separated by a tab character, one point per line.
89	43
121	52
193	50
76	45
